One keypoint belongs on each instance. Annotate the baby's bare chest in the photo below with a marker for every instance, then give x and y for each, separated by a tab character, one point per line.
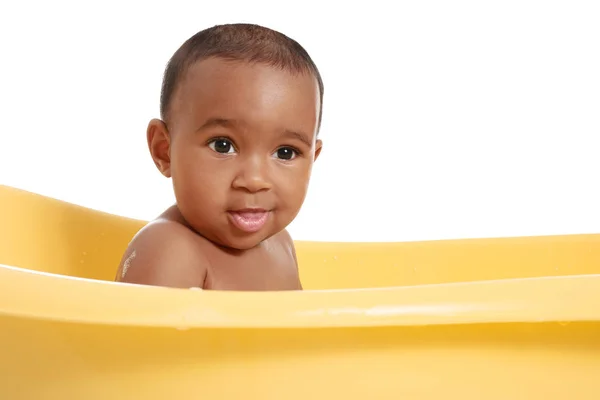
269	267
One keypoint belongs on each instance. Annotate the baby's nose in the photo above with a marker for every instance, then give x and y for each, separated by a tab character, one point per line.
253	176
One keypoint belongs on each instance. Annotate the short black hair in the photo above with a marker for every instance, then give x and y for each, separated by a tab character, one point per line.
239	42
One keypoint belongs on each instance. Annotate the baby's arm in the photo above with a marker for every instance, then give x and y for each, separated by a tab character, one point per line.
164	253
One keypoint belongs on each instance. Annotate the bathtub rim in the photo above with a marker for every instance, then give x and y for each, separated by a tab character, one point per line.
47	296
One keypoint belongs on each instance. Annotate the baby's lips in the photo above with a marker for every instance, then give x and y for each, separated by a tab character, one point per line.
249	220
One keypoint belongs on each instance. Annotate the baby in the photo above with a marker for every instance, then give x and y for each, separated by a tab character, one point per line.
240	113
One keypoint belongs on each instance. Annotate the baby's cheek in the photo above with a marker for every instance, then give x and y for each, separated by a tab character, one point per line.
295	198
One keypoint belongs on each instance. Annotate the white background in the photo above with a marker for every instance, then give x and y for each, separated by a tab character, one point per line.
445	119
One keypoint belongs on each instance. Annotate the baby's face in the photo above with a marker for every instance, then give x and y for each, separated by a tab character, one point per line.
242	145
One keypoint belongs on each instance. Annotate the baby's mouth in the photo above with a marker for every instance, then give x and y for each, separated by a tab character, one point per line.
249	219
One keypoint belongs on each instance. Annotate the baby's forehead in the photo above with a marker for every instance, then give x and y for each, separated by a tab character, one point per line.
222	71
228	88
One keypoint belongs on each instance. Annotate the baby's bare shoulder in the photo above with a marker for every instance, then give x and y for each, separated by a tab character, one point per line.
285	240
287	243
164	253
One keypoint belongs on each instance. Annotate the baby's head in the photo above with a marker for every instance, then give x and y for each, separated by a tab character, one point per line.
240	113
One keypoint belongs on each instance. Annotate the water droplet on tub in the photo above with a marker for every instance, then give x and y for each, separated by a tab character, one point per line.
563	323
184	324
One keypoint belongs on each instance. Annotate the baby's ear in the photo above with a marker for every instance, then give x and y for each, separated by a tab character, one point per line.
159	142
318	147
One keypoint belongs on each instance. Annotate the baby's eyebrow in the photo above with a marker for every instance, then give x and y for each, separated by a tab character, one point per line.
217	122
303	137
231	123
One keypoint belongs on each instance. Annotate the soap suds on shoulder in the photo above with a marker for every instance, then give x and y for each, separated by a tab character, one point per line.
127	263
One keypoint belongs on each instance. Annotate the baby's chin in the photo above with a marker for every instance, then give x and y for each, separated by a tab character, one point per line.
247	242
235	242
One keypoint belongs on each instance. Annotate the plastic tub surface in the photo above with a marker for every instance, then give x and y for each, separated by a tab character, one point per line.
510	318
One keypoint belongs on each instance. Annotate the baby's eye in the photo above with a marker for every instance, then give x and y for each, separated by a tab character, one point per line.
286	153
222	146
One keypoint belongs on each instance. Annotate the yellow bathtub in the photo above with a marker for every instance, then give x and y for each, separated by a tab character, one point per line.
514	318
